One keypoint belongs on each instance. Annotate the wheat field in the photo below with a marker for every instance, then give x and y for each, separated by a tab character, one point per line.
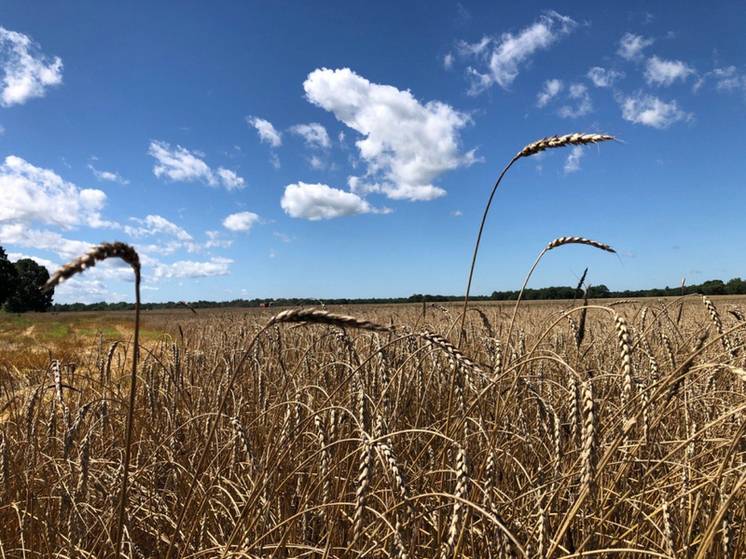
617	430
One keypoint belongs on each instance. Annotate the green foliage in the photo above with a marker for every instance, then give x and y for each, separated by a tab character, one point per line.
28	295
8	277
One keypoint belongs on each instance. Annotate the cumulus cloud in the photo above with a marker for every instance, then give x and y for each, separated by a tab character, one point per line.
26	71
602	77
314	134
21	235
406	144
504	56
241	221
572	163
109	176
631	46
34	194
550	90
665	72
651	111
181	165
578	94
266	131
320	201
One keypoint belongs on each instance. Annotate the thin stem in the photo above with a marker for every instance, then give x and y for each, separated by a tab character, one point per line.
130	421
476	245
520	294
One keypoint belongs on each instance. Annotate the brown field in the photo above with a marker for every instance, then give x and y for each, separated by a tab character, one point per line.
338	439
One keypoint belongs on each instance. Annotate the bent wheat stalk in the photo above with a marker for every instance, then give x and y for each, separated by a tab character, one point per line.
80	264
558	242
550	142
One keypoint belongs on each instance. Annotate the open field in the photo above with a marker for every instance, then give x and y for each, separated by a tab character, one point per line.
323	435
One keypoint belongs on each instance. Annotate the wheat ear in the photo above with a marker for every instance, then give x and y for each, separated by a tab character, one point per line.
549	142
130	256
558	242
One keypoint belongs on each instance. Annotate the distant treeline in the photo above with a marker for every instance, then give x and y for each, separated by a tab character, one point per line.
736	286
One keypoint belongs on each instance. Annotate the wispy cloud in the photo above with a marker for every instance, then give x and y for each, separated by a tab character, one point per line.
665	72
631	46
109	176
581	102
651	111
572	163
26	71
549	91
602	77
504	56
266	131
181	165
314	134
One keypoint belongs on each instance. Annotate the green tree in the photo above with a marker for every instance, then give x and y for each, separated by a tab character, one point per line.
28	295
8	277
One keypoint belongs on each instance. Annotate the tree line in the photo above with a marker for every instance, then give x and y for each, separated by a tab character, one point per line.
21	283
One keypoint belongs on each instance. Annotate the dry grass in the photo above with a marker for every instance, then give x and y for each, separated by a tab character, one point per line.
337	442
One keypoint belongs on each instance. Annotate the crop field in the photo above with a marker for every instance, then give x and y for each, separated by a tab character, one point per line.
590	429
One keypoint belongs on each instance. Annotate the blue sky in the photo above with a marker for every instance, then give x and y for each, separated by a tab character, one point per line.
346	149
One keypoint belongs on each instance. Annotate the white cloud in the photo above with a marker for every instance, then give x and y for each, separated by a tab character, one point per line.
241	221
582	102
314	134
572	163
448	60
181	165
457	213
191	269
320	201
505	55
230	179
267	132
214	240
48	264
664	72
26	71
20	235
631	46
601	77
34	194
157	225
109	176
651	111
406	145
551	89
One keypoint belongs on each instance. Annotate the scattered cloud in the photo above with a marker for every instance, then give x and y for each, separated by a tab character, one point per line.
20	235
156	225
550	90
582	104
181	165
314	134
266	131
215	241
631	46
26	71
406	144
217	266
320	201
109	176
448	60
651	111
34	194
241	221
602	77
504	56
282	237
457	213
665	72
572	163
